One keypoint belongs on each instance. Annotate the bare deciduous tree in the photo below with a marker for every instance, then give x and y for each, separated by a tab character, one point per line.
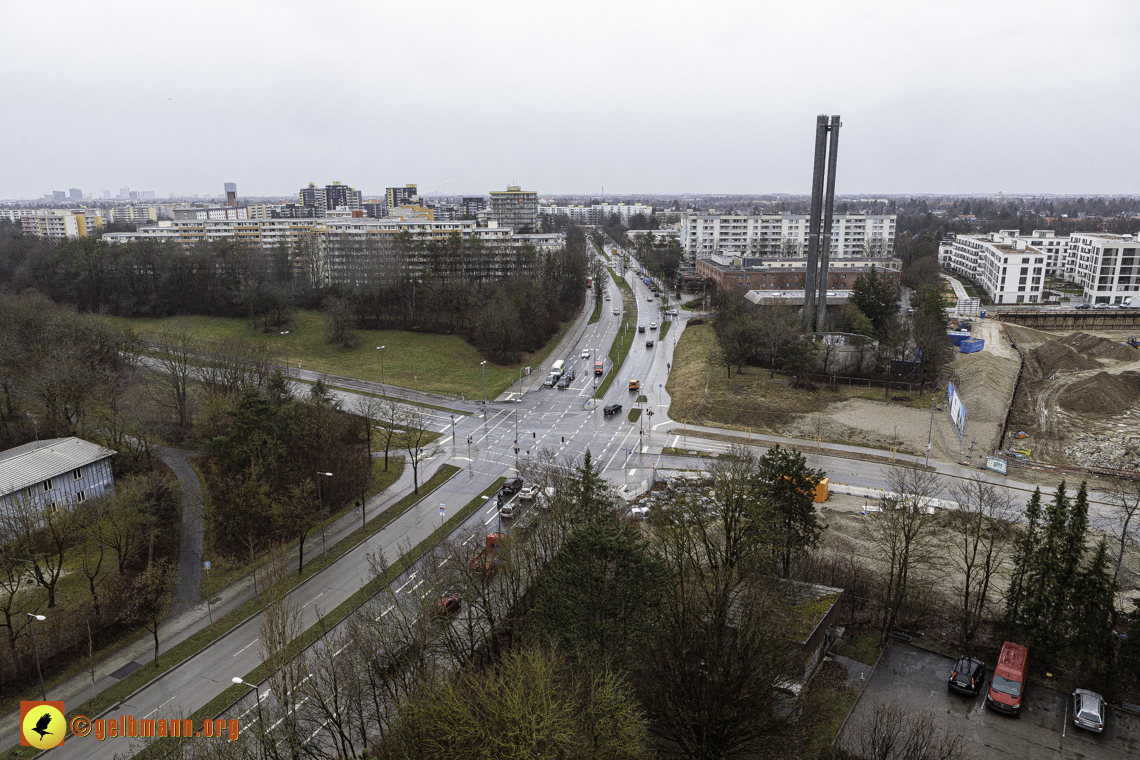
903	533
419	440
980	535
1125	495
893	731
175	360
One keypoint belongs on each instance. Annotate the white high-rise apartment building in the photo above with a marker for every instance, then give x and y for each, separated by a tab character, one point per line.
1009	268
702	235
1105	266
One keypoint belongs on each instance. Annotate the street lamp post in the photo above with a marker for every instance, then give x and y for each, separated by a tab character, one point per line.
31	630
257	695
483	364
381	350
286	334
321	501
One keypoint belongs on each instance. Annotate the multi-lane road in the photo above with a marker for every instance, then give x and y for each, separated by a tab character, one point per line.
565	421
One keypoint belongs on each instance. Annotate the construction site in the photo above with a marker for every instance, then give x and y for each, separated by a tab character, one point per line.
1078	402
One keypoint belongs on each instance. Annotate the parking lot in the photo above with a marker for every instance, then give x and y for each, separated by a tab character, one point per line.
917	678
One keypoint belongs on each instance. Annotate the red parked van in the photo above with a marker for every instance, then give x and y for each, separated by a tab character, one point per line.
1008	684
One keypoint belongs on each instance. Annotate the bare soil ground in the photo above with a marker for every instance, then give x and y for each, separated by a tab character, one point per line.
1079	399
845	413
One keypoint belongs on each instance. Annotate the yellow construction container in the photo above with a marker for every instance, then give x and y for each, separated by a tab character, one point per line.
821	492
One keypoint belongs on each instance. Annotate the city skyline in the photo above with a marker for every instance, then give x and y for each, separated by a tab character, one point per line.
660	98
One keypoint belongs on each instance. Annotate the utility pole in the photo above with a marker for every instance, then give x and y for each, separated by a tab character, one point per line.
484	365
383	388
286	334
930	431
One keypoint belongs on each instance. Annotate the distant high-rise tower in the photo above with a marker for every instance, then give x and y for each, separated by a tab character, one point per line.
124	193
231	193
401	196
106	195
58	195
76	194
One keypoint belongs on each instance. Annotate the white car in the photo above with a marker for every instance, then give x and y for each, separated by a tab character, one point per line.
671	312
507	511
652	325
585	353
528	493
616	312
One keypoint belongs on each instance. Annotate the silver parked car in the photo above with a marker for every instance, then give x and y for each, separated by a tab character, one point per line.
1088	710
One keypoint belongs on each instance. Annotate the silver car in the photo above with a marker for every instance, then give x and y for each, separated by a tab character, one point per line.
1088	710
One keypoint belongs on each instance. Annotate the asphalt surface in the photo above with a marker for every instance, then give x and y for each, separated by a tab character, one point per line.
917	679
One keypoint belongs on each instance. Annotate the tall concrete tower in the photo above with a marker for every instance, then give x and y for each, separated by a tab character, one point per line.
231	193
814	312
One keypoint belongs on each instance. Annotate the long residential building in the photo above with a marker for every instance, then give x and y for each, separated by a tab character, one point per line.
597	213
781	274
784	235
131	214
354	250
60	224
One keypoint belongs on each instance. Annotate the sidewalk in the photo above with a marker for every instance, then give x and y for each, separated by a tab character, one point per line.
180	626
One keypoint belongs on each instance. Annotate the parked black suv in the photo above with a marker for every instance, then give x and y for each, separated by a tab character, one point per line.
968	676
611	409
641	328
511	487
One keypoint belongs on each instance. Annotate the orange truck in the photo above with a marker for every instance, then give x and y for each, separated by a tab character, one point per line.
487	559
634	385
599	367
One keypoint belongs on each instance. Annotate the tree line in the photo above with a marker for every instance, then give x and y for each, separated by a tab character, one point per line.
770	334
504	301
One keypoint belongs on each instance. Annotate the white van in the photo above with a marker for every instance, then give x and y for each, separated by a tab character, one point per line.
558	368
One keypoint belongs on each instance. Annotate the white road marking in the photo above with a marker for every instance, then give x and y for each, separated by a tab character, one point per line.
315	598
247	646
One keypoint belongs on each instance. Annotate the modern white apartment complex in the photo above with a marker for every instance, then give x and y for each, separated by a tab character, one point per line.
1009	269
703	235
58	224
1104	265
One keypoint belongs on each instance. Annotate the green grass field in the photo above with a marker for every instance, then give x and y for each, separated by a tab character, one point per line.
444	364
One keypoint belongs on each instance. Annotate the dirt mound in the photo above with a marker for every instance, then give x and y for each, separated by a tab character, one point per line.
1027	337
985	382
1096	347
1103	393
1054	355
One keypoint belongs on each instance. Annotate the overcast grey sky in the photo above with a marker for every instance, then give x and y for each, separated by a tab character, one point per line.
568	97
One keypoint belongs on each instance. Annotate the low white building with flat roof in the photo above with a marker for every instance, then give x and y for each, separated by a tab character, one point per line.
55	472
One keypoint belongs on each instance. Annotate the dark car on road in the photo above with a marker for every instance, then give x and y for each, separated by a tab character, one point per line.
1083	306
565	382
392	655
641	328
968	676
511	487
611	409
649	344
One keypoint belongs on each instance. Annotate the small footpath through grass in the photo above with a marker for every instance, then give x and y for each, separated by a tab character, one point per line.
374	586
223	625
444	364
